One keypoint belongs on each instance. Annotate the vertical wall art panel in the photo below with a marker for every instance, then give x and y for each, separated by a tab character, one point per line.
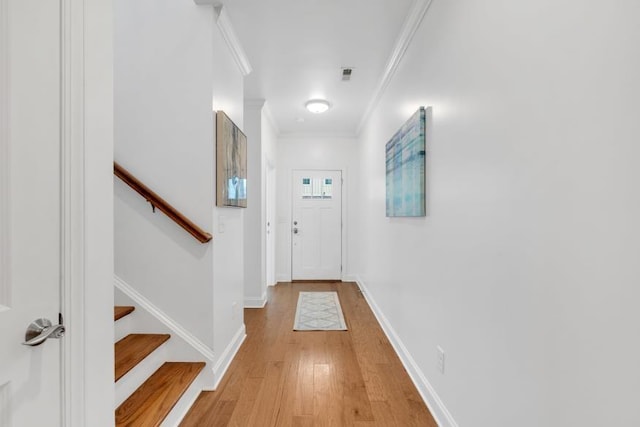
405	165
231	164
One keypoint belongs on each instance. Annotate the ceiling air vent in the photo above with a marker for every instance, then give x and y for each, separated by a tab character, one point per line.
346	74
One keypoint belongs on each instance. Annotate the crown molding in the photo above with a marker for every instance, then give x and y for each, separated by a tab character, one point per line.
233	43
409	28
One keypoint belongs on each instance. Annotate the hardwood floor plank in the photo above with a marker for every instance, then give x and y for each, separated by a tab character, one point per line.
312	378
267	404
321	398
246	403
302	421
384	415
356	405
405	415
289	387
303	399
200	413
224	410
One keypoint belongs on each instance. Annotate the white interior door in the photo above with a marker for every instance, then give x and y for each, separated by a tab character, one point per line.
30	209
316	225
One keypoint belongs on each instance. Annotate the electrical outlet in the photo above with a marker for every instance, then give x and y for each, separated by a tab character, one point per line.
440	360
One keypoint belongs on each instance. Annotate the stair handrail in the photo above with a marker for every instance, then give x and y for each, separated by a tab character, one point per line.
158	202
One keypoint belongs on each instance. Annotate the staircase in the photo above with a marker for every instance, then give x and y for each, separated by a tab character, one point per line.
140	364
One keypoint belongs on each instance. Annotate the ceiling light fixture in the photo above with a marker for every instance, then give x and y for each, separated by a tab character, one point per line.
317	106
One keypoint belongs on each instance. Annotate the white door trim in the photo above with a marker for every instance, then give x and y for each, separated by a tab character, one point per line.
87	205
72	205
269	216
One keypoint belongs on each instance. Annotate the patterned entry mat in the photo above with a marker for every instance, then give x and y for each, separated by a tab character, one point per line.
319	311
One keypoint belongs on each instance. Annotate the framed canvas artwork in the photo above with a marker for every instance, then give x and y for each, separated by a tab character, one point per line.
231	163
405	168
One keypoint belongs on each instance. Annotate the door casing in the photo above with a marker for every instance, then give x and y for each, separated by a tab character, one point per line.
87	191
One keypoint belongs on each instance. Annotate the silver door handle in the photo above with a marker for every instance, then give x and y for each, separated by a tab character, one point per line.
295	230
40	330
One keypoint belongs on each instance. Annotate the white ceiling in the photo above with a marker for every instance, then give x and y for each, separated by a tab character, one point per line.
298	47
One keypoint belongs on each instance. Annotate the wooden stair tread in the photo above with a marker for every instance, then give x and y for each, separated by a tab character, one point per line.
120	311
133	348
153	400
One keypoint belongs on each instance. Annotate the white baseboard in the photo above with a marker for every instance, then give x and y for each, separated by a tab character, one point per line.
350	278
442	416
221	366
163	318
256	302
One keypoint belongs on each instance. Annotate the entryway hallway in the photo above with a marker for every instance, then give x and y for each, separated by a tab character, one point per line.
321	378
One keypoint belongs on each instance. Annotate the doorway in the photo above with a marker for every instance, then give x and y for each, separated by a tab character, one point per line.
270	198
316	225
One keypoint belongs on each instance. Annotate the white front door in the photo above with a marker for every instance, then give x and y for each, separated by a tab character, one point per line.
30	209
316	225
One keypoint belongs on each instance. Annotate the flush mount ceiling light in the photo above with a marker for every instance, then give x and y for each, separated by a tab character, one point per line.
317	106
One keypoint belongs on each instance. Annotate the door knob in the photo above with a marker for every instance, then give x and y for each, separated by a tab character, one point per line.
295	230
40	330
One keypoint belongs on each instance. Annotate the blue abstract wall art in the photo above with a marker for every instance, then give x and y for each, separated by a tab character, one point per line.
405	164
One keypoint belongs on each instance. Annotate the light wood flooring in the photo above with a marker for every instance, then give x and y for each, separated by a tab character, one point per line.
322	378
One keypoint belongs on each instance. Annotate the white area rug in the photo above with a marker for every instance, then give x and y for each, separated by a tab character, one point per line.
319	311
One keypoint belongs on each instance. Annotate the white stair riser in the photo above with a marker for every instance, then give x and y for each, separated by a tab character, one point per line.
122	327
126	385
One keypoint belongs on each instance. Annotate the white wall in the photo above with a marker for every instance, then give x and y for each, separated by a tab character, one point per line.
254	291
163	136
261	139
228	265
312	153
526	268
172	69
